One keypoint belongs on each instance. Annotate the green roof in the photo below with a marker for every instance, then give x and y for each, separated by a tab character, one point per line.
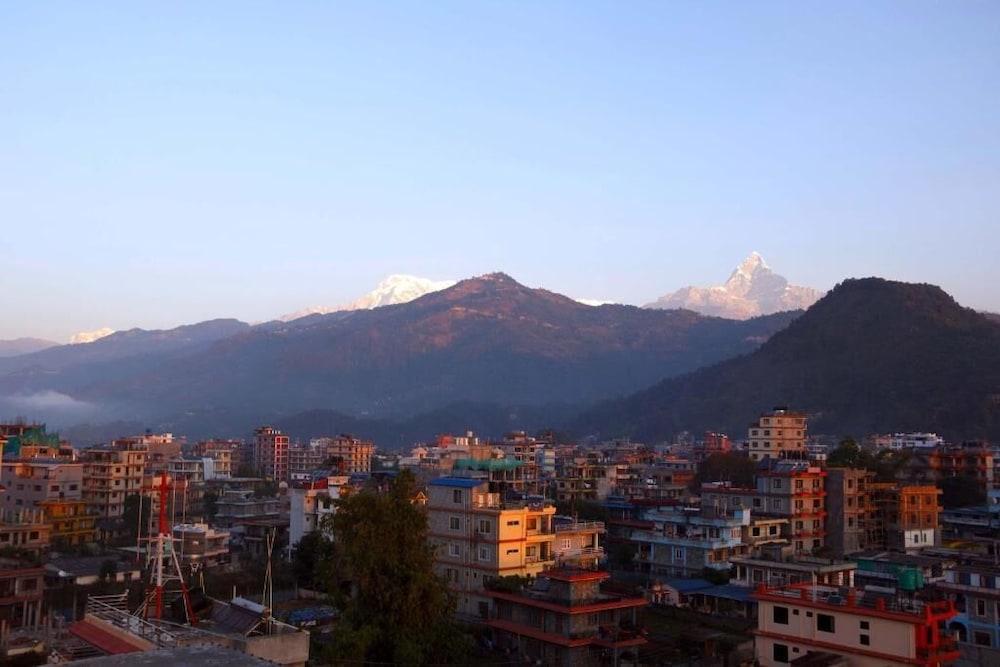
487	464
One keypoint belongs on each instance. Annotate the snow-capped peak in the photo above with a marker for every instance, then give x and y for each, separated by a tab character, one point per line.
90	336
394	289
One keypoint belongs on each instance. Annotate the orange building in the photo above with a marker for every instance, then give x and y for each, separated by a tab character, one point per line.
903	517
270	453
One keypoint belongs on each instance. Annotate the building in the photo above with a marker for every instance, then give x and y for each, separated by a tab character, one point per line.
775	568
903	518
590	477
971	460
778	434
198	544
716	443
55	487
354	452
685	541
565	618
975	590
110	474
21	589
899	441
480	534
227	455
849	627
304	461
271	453
26	529
310	503
847	504
578	543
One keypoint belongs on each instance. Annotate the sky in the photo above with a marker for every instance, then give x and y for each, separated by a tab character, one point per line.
165	163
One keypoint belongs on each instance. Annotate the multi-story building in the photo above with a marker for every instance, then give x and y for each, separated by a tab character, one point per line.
972	460
21	589
774	566
197	543
903	518
55	487
778	434
578	543
303	462
311	502
480	533
898	441
589	477
684	542
25	529
225	453
847	505
975	590
716	443
566	619
789	489
110	474
826	625
355	453
271	453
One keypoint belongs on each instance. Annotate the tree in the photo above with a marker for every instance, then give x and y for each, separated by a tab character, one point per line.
726	467
848	455
310	557
398	610
961	491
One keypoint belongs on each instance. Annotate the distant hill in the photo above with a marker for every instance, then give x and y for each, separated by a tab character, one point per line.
18	346
752	289
871	356
486	340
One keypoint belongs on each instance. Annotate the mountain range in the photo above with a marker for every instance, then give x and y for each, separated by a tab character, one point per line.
871	356
487	341
752	289
18	346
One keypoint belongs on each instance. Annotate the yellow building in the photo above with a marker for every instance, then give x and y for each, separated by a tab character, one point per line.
110	474
479	535
778	434
55	487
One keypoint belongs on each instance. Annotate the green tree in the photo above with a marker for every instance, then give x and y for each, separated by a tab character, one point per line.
310	558
961	491
398	610
848	455
726	467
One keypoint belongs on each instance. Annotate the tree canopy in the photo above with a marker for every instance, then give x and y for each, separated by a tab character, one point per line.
397	610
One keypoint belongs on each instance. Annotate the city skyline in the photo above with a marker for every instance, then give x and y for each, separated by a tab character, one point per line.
167	167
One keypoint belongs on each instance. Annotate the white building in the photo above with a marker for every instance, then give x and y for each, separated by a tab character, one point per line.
311	503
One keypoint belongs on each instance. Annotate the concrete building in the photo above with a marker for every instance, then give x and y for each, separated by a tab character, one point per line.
589	477
578	543
227	455
198	544
565	619
774	567
684	541
975	590
354	452
825	625
303	462
480	534
310	503
778	434
25	529
271	453
21	589
903	518
55	487
110	474
848	505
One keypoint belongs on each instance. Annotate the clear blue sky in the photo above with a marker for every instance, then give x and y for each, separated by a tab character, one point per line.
172	162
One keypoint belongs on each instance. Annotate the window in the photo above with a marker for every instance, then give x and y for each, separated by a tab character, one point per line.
772	530
484	553
34	535
515	522
511	552
980	607
454	551
485	526
456	496
780	615
865	625
678	554
567	543
865	640
824	623
757	502
454	523
780	653
756	532
981	638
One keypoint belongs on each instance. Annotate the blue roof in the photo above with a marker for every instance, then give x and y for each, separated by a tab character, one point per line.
728	592
457	482
687	585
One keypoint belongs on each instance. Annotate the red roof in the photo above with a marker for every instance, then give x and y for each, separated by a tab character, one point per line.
102	639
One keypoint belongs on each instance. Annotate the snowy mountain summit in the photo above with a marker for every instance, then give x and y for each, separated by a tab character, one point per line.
752	289
397	288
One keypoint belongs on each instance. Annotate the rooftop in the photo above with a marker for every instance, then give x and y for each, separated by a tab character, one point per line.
457	482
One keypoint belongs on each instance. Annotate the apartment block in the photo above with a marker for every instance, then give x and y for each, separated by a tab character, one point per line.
578	543
25	529
311	502
567	619
55	487
589	477
355	453
684	541
225	453
21	589
271	453
778	434
975	590
110	474
826	625
848	506
903	517
480	533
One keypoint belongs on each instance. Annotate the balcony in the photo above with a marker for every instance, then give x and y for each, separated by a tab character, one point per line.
580	526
